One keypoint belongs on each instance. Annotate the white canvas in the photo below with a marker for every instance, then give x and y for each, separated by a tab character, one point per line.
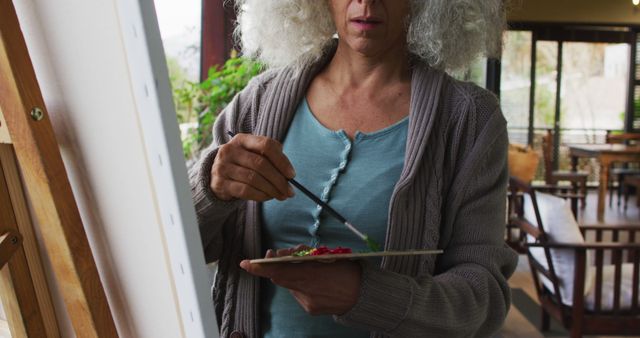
99	65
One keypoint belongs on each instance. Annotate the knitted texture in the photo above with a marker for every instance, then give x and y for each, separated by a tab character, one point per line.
450	195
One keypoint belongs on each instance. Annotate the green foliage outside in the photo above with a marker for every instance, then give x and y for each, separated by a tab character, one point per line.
545	108
200	103
183	90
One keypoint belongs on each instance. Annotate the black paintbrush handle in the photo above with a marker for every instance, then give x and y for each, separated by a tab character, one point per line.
324	205
309	194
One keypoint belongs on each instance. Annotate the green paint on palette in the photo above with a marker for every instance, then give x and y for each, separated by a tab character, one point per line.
373	246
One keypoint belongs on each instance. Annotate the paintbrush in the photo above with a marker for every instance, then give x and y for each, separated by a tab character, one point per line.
373	246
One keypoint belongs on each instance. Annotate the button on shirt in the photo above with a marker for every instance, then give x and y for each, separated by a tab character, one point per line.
356	177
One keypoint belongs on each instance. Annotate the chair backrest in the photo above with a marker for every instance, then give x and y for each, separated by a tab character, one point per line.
517	187
535	233
547	156
605	296
623	138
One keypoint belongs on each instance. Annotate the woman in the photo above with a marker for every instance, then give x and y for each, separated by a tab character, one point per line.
372	124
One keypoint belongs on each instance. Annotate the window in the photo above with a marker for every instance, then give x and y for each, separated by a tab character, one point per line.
515	83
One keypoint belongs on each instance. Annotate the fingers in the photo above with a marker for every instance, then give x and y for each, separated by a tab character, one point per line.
227	189
269	254
260	270
253	168
251	184
272	271
307	303
319	288
259	169
291	251
285	252
301	247
269	148
268	270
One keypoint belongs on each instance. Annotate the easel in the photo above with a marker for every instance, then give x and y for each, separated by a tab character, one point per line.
27	141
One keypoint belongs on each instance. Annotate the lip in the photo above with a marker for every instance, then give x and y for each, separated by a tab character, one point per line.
366	22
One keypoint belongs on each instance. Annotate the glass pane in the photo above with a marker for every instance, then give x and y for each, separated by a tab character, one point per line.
545	95
594	89
637	60
476	72
515	83
546	75
636	108
179	23
180	28
636	88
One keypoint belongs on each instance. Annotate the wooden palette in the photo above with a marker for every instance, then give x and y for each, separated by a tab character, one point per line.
331	258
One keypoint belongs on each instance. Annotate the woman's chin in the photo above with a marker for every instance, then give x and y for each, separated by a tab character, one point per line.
369	47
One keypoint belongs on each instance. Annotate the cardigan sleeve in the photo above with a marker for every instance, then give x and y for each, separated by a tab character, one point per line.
212	213
468	295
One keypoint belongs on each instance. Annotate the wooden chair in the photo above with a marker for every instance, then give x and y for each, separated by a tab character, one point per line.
578	179
513	236
627	138
615	315
627	182
618	172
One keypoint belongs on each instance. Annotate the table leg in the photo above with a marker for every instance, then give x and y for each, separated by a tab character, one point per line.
574	185
602	187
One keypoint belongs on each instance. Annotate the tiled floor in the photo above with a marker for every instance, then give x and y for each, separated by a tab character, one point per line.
517	325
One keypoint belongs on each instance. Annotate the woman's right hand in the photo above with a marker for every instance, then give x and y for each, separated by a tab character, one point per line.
251	167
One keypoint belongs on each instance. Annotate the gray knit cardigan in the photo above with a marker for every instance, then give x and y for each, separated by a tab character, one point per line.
450	195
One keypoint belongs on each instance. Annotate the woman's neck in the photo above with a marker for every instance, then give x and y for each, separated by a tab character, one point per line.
350	70
356	92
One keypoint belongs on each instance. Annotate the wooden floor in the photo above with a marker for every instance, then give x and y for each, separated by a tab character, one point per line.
613	215
517	325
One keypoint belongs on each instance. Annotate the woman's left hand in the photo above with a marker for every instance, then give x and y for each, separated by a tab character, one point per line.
320	288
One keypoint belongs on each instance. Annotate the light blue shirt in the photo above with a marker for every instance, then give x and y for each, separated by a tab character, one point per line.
357	179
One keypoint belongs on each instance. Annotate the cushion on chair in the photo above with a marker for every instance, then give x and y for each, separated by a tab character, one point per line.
561	227
608	280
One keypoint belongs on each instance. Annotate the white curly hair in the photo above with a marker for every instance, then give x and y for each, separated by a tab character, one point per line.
446	34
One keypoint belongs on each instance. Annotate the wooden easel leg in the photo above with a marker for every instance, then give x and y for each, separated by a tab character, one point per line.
47	184
16	285
11	181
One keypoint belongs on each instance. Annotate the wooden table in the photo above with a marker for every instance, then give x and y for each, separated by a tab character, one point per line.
606	155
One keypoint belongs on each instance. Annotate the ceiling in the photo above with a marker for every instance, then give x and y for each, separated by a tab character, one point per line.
579	11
